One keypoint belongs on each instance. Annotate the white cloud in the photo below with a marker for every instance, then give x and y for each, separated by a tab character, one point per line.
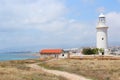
44	23
22	12
113	21
52	26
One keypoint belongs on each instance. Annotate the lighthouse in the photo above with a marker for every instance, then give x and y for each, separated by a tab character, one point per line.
102	37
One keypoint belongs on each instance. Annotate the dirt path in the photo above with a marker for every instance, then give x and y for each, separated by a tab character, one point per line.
67	75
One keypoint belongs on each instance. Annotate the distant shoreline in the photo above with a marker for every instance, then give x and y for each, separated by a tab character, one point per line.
20	56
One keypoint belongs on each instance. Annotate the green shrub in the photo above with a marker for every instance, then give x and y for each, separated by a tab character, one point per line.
90	51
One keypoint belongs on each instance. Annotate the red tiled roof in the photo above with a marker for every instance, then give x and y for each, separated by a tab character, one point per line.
51	51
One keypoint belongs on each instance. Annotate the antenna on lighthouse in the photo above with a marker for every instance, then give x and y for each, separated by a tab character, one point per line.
101	10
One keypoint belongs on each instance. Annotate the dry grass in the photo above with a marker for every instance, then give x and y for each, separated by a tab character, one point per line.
17	70
96	57
95	69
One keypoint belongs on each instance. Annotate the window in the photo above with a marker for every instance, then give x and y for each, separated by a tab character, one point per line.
102	38
62	54
102	19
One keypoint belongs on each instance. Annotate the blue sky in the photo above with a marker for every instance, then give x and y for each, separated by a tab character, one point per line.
35	24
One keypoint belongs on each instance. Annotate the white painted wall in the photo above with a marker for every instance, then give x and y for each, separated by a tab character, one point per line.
63	56
102	41
55	55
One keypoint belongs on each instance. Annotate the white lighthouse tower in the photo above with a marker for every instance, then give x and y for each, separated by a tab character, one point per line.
102	39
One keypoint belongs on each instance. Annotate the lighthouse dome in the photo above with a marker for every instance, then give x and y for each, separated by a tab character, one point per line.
101	15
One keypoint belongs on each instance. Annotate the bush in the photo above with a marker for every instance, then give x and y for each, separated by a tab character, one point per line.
89	51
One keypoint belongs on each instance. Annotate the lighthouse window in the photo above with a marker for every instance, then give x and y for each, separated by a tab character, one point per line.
102	38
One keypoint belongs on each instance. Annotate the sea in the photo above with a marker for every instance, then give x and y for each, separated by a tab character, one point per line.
6	56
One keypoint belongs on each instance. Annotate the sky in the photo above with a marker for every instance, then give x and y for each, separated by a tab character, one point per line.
31	25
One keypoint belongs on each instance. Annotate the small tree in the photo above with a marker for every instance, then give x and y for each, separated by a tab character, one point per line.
95	51
89	51
86	51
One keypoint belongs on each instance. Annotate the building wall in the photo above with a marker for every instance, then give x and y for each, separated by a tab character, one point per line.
62	55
